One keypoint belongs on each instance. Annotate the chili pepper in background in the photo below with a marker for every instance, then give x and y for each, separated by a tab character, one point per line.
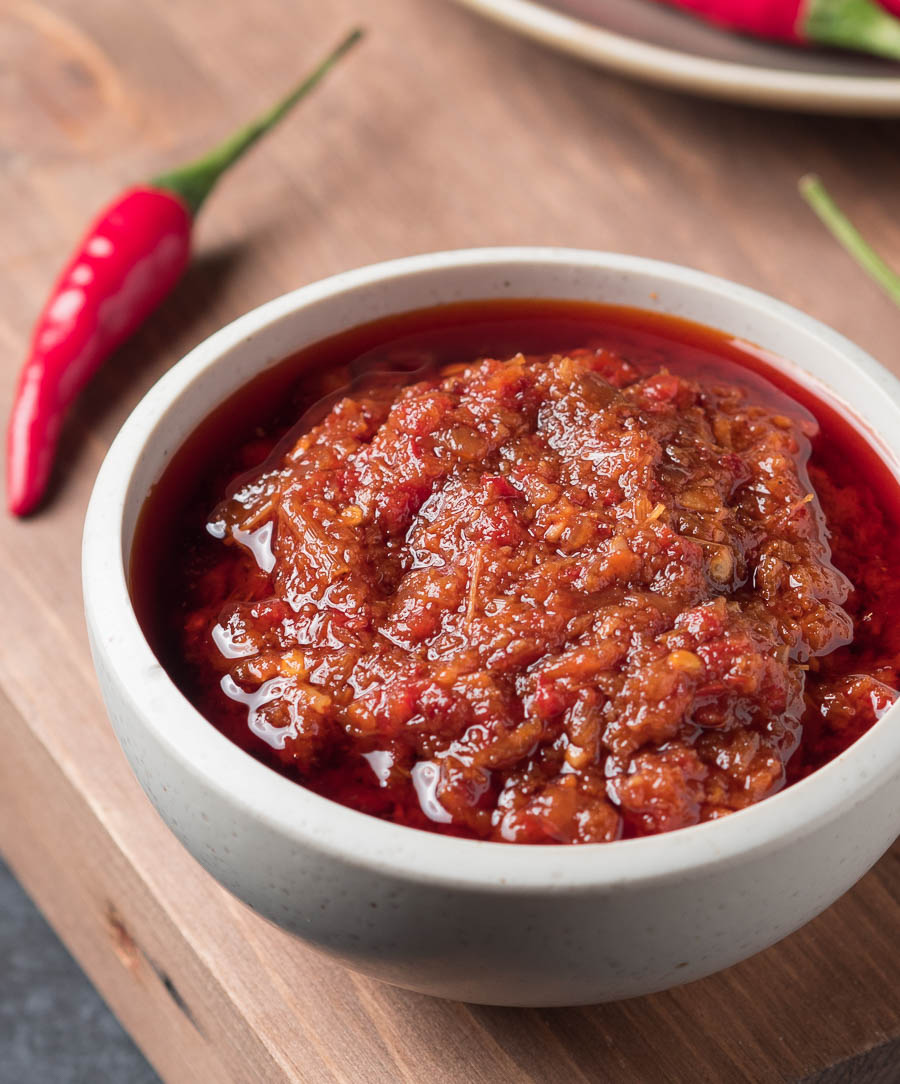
128	261
863	25
843	230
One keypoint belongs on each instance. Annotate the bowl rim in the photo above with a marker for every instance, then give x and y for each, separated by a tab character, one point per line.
310	821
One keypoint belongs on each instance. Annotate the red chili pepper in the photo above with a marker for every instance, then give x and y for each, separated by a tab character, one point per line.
848	24
765	18
129	260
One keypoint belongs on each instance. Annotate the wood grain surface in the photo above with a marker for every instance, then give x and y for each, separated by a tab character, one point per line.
441	131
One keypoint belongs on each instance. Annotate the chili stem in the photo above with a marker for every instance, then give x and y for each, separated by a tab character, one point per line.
853	24
843	230
194	181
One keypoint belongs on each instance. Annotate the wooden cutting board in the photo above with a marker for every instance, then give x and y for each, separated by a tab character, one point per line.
441	131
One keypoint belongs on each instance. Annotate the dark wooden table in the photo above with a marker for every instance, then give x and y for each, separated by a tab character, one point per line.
442	131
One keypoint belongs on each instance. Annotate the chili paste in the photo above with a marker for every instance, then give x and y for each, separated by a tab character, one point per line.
530	572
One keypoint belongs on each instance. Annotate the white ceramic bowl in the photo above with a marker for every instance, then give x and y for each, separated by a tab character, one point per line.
484	922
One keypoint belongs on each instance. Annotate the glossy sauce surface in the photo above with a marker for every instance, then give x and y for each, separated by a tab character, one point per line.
570	596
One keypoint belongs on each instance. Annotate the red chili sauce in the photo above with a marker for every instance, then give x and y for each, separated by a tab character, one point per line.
535	572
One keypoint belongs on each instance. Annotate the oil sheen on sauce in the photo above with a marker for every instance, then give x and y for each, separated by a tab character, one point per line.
634	579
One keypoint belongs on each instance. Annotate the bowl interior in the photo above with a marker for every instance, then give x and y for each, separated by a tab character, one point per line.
818	357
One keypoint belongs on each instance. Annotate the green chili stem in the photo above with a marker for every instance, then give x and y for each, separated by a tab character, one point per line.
193	182
853	24
816	195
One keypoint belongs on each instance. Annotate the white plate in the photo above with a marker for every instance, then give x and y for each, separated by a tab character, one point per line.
649	41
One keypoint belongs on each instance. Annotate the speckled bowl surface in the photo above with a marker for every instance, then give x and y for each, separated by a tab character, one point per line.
484	922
